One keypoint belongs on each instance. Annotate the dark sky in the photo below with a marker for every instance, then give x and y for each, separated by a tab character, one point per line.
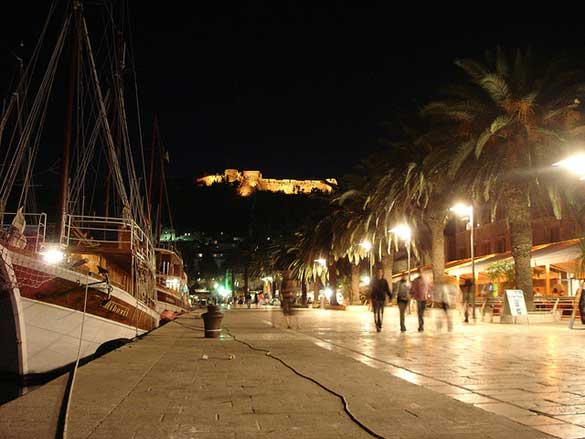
293	89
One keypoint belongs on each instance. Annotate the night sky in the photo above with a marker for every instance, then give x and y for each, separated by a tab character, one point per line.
293	89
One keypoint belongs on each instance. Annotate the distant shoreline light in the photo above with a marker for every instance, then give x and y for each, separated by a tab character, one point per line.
250	181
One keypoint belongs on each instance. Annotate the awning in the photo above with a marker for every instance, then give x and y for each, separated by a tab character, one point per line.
554	253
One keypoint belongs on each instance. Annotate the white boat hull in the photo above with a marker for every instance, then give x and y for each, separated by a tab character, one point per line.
40	336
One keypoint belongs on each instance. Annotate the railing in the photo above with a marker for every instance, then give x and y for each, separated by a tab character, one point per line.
35	230
107	232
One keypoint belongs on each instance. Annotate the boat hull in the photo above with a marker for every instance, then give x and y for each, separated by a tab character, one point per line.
167	304
44	320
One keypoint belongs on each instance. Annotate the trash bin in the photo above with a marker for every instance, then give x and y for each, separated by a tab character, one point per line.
212	321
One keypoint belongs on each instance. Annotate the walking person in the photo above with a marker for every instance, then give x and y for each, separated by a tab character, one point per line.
288	290
402	298
467	291
379	291
444	294
420	292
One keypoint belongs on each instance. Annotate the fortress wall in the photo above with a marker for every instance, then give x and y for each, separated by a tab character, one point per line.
253	180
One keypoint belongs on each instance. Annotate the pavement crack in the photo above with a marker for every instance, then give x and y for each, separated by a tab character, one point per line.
411	413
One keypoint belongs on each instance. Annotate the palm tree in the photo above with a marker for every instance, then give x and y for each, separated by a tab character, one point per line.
505	119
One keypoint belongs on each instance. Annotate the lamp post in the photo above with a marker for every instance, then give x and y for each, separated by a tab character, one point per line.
404	232
575	164
467	212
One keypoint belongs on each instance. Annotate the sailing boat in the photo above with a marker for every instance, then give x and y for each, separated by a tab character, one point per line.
65	294
172	291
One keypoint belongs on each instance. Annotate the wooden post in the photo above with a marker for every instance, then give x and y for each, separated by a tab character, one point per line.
547	279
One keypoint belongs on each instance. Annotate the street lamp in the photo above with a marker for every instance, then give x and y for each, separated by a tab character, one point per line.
467	212
322	262
574	164
404	232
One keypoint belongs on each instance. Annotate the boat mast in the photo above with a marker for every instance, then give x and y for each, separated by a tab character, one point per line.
73	68
151	176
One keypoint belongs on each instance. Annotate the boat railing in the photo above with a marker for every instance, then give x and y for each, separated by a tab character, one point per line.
35	230
109	233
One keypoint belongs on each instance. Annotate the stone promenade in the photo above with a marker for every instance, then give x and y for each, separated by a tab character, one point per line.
161	387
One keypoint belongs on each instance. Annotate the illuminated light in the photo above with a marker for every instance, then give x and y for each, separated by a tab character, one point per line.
173	284
462	209
574	164
53	256
215	285
223	291
403	231
364	281
321	261
267	279
366	245
328	293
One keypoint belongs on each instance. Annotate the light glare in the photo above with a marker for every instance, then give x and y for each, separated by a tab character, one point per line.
403	231
461	209
574	164
366	245
53	256
321	261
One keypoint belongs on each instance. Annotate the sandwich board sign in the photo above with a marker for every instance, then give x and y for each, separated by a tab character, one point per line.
516	303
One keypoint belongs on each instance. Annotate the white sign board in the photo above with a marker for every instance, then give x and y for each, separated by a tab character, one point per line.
516	302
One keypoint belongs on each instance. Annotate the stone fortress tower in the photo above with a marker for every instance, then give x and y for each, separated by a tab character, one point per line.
249	181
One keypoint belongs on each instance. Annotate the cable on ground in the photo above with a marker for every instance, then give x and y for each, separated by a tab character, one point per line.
64	419
324	387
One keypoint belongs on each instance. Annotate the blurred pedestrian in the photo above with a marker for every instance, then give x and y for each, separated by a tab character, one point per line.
288	289
582	304
402	298
467	291
444	294
379	291
420	292
248	299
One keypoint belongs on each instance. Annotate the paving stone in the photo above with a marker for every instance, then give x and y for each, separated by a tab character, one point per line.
160	387
563	431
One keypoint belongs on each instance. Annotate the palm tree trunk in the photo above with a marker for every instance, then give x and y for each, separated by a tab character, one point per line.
388	265
436	224
332	269
303	290
355	284
520	220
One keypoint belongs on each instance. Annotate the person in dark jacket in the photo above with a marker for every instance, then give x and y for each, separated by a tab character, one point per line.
582	305
402	298
379	291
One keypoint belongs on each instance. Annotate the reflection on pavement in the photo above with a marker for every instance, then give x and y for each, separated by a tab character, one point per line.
528	373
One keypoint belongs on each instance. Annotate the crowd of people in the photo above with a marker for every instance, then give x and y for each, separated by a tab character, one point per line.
444	295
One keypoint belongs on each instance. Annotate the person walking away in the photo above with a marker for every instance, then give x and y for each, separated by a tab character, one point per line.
444	296
402	298
379	291
582	304
288	288
248	300
467	292
420	292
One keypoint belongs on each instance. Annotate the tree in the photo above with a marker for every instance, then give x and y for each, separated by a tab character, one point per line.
505	118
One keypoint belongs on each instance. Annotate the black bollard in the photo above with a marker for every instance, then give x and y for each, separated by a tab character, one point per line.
212	321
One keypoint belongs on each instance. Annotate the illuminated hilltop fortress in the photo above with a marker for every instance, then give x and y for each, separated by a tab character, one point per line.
249	181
